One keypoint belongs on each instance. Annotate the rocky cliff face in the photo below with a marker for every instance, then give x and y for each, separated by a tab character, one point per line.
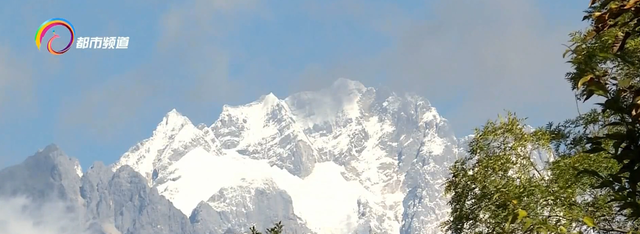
103	201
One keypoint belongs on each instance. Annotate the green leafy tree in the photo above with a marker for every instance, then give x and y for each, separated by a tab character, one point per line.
276	229
570	174
498	183
606	62
498	188
593	185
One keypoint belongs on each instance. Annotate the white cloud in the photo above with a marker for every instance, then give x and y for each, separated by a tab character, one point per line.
194	29
189	67
472	59
18	215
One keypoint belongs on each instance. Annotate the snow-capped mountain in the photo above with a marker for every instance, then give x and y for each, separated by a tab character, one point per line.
344	159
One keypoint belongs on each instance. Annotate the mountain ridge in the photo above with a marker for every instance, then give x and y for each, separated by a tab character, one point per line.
343	159
347	124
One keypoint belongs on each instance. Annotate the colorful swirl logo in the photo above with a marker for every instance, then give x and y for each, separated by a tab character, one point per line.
44	28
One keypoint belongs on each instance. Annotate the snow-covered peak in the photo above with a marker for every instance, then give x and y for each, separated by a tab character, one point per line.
338	102
394	148
259	107
172	122
341	97
252	122
173	112
269	100
49	149
173	137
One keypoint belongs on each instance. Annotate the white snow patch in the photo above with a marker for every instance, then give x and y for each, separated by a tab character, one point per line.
78	168
432	115
324	199
198	175
433	144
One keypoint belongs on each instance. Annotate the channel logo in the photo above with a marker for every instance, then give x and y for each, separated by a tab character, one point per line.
49	24
82	42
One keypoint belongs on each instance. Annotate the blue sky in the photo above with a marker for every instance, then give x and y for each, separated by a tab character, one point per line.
471	59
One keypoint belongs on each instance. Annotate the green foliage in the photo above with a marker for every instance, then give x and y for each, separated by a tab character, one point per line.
592	185
276	229
620	16
576	173
498	182
499	189
606	62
